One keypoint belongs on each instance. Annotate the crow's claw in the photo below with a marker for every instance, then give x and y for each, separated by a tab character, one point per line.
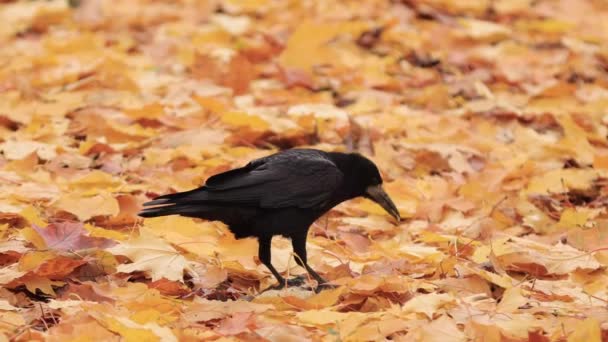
297	281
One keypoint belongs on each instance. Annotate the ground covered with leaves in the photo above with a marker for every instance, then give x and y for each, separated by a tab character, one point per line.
488	120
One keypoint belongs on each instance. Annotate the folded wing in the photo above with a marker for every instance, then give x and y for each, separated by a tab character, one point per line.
295	178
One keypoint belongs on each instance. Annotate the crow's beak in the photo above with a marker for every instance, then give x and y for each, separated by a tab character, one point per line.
377	194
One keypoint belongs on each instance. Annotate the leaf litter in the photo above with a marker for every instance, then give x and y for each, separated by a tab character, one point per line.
487	119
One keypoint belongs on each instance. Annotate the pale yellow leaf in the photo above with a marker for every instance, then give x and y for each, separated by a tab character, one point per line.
152	255
15	150
429	304
6	306
9	273
484	30
444	329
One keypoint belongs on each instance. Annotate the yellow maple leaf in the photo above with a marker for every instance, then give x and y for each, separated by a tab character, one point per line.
90	183
307	46
429	304
85	207
443	329
134	332
562	180
544	26
149	111
200	238
34	259
586	331
33	283
32	215
31	235
571	218
105	233
512	299
254	122
575	141
3	230
330	317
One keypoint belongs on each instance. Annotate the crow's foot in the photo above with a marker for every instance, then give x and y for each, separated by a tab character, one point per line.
324	286
297	281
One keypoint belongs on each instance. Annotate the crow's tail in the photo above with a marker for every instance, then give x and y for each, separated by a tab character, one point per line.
191	210
176	204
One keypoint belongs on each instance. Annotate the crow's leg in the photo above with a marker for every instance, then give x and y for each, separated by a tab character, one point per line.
299	248
264	255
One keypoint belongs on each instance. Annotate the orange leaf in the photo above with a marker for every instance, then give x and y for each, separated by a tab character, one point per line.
168	287
58	267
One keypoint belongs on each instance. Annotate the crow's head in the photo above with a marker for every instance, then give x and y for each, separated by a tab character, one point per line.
369	184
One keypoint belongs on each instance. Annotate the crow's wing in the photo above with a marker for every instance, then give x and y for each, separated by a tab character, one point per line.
295	178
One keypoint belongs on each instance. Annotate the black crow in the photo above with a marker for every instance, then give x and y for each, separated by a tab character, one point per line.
281	194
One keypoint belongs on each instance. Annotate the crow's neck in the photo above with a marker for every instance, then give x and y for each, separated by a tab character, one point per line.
345	163
342	160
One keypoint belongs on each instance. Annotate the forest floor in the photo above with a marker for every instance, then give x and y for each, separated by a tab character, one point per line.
488	120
